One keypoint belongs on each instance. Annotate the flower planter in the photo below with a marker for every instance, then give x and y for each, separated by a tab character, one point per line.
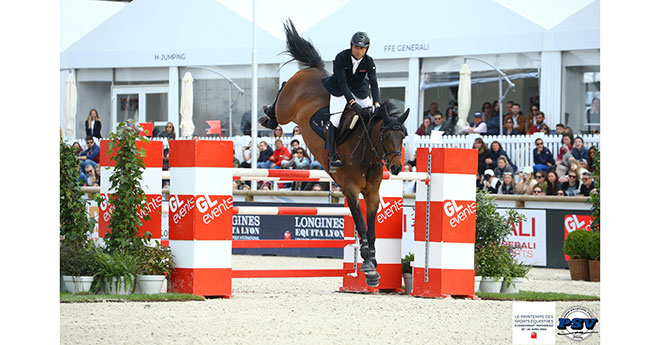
112	288
408	282
491	284
150	284
579	269
594	270
513	286
77	284
477	283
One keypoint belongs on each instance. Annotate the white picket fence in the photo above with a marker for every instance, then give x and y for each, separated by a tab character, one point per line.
518	147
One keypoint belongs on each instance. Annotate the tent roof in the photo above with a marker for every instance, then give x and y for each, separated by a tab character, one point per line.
445	28
150	33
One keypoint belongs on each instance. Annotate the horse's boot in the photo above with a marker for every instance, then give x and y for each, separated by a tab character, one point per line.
333	158
369	266
268	122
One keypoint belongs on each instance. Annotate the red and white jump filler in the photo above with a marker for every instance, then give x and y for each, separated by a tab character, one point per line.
445	221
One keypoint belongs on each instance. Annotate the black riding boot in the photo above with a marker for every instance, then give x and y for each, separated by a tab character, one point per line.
270	121
333	158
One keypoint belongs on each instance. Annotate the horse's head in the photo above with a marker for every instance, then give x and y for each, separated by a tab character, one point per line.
392	133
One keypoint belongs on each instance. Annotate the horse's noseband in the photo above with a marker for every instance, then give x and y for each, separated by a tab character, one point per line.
394	126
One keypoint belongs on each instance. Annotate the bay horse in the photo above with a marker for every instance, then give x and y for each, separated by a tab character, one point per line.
363	151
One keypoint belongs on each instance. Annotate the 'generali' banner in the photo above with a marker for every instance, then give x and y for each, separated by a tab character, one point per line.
528	238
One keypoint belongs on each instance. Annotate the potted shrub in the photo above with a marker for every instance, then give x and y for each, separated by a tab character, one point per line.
575	246
156	263
492	260
77	266
116	271
517	271
593	250
406	264
477	276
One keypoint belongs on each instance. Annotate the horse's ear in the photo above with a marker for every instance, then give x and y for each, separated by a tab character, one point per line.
386	115
404	116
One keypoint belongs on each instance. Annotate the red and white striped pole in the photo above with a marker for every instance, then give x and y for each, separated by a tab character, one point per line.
200	216
151	183
389	222
445	220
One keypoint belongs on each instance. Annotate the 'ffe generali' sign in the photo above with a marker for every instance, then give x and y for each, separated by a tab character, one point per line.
528	237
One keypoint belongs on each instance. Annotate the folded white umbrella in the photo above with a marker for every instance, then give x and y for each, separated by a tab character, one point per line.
187	126
464	96
70	105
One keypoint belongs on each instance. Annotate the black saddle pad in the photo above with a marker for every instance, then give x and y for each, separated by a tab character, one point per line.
320	119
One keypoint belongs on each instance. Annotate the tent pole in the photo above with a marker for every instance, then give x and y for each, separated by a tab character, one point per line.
254	90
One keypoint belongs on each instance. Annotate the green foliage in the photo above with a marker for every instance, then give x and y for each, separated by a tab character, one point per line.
575	245
594	197
493	227
77	261
116	265
515	269
406	263
129	197
157	260
493	260
593	245
75	224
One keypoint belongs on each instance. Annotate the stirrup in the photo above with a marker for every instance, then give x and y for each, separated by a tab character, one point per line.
353	121
336	162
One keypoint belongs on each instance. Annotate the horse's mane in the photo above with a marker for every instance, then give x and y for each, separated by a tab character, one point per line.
300	49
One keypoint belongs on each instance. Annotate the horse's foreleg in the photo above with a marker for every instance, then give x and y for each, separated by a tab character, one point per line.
372	200
366	250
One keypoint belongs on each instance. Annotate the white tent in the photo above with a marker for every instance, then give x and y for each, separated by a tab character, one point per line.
155	33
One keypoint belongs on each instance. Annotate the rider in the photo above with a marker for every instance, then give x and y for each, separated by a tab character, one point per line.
348	85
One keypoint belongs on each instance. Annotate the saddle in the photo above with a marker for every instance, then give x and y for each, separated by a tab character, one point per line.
319	121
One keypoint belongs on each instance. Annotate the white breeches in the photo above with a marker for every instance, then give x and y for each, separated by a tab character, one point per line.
337	105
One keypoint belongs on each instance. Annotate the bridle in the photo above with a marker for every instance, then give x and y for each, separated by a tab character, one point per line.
388	124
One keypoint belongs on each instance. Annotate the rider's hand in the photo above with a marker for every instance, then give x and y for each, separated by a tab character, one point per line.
377	104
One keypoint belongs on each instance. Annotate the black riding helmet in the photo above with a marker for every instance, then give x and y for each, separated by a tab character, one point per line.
360	39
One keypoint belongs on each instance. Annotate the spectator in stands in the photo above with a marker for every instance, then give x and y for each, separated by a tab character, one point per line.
537	191
438	123
168	132
432	111
90	179
526	181
288	163
93	124
509	107
568	130
478	127
572	186
409	186
450	120
579	151
246	123
317	187
425	128
543	159
552	185
296	131
166	159
90	156
278	132
491	183
279	154
315	165
300	159
496	151
508	186
483	152
508	127
560	192
77	149
519	120
539	118
559	129
247	156
587	184
265	151
545	129
591	158
487	111
503	167
564	157
265	185
539	177
413	160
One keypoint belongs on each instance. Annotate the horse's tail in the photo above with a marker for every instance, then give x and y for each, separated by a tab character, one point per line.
300	49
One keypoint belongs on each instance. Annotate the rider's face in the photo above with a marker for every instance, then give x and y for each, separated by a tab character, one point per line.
358	52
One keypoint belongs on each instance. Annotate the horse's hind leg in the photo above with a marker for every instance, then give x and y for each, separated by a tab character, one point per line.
366	250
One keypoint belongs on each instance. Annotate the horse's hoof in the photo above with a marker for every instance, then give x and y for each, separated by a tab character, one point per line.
372	282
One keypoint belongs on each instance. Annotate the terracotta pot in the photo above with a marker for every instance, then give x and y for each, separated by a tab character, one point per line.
594	270
579	269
